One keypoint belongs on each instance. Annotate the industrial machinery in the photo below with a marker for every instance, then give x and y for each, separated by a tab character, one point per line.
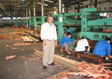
93	25
10	22
62	21
89	23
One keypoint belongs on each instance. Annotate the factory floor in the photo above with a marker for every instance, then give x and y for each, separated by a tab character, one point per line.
26	64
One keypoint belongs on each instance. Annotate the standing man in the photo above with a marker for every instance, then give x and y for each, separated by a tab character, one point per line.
103	48
49	37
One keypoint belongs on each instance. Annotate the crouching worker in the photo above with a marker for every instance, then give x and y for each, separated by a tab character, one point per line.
82	46
103	48
67	43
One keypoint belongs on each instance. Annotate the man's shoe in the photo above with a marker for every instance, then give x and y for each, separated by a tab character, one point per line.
44	67
52	64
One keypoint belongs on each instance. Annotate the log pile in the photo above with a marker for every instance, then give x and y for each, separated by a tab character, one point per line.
22	44
61	75
4	37
88	70
29	39
84	69
17	33
17	38
22	34
93	71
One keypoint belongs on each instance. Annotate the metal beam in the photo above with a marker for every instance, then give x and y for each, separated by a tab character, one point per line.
42	8
34	8
95	3
78	1
60	6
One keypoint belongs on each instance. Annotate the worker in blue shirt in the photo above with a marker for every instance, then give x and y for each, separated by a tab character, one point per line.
67	43
103	48
31	27
68	30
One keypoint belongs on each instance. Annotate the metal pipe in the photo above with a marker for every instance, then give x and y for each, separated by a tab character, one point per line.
27	17
42	7
29	13
34	8
60	22
26	12
95	3
60	6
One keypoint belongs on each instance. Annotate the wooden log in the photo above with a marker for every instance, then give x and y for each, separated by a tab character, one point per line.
28	39
92	57
33	38
68	70
65	61
23	38
62	60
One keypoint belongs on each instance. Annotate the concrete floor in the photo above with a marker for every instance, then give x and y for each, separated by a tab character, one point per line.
20	68
25	65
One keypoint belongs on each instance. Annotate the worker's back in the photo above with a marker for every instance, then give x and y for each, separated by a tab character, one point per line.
81	44
102	48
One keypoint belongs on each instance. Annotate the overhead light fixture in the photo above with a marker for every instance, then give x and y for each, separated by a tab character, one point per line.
41	3
49	1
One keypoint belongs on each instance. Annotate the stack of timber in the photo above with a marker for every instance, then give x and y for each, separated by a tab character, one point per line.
81	69
29	39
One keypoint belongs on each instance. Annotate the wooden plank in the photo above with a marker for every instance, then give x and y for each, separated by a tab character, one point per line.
52	77
33	38
92	57
62	60
28	39
23	38
65	61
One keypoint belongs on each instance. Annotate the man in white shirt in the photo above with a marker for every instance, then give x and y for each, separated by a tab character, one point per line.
82	46
49	37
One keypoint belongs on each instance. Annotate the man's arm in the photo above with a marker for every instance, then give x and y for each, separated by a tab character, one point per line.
44	42
43	34
56	42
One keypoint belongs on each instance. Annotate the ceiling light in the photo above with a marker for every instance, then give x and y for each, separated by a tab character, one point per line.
44	4
49	1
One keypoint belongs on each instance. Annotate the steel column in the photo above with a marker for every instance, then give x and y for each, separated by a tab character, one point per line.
60	22
42	7
34	8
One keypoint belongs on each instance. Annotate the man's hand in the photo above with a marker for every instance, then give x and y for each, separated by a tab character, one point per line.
110	56
56	43
44	42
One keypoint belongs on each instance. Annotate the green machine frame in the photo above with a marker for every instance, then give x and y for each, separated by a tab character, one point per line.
92	25
60	20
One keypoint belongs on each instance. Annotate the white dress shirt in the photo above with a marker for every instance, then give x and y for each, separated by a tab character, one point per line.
48	32
81	44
